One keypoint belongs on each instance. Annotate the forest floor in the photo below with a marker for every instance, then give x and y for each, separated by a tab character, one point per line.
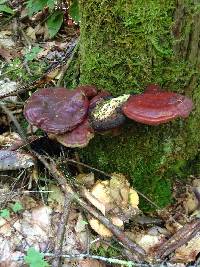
55	210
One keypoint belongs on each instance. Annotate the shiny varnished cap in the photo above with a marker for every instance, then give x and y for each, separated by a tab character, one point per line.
79	137
155	107
56	110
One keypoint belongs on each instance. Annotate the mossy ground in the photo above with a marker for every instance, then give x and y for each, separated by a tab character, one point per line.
126	45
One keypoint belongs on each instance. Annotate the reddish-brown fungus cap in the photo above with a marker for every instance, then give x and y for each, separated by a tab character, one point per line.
79	137
99	97
56	110
89	90
154	107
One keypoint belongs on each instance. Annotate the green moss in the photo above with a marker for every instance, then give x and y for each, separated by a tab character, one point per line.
16	70
71	78
124	46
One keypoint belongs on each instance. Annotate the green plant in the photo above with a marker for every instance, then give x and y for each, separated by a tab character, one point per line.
32	54
55	17
16	207
5	213
54	22
74	10
5	8
35	258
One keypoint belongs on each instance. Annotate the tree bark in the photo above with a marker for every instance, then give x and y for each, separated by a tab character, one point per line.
125	45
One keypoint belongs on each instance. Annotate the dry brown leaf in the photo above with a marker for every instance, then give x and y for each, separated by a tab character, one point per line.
133	198
6	87
41	216
100	228
189	251
117	221
190	203
39	29
119	189
30	32
91	263
149	240
7	139
6	40
86	179
93	199
5	53
56	197
115	199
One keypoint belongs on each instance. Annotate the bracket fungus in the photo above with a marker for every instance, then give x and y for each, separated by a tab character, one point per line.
155	107
79	137
71	117
106	113
56	110
89	90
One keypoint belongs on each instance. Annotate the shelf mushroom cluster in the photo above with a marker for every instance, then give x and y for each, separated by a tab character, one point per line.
72	117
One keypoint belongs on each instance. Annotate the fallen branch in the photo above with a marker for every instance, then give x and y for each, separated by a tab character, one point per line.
101	258
138	252
61	232
182	236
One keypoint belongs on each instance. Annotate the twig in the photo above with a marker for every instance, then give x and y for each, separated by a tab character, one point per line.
61	231
86	166
108	260
16	123
65	68
182	236
149	200
138	252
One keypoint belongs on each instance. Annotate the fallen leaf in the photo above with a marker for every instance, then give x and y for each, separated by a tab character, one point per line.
133	198
30	32
101	192
56	197
6	87
100	228
4	53
7	139
91	263
86	179
189	251
6	40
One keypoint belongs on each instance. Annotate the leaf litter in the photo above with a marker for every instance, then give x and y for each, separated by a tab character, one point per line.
32	209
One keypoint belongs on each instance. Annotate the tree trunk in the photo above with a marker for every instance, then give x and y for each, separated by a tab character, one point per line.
125	45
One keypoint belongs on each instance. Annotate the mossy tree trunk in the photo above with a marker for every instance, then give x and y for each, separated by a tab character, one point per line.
125	45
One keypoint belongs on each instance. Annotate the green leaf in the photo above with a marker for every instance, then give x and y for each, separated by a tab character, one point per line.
6	9
32	54
5	213
17	207
54	23
74	11
35	259
34	6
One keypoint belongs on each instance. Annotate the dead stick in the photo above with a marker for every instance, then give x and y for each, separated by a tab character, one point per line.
182	236
61	232
139	253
